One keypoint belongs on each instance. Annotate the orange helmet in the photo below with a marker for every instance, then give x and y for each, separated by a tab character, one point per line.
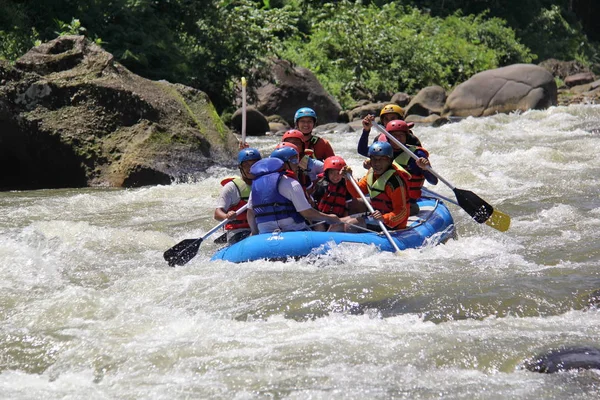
334	162
293	133
392	108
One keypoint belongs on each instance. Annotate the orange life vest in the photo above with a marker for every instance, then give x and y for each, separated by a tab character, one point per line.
379	199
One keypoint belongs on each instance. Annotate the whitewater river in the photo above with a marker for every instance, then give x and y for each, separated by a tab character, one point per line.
89	309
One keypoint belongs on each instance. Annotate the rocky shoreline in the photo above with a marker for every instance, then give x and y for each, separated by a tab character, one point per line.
503	90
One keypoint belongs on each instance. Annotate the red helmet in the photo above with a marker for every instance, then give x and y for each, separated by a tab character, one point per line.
334	162
398	125
293	133
287	144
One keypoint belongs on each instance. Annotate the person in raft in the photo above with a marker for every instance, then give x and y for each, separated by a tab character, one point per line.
292	169
305	121
234	195
309	168
286	208
387	185
388	113
416	168
336	197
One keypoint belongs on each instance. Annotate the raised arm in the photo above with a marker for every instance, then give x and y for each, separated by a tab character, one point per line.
363	141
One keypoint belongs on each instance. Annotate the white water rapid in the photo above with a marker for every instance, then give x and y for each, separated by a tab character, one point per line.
89	308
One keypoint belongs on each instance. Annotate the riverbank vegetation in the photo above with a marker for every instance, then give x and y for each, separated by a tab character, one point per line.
357	49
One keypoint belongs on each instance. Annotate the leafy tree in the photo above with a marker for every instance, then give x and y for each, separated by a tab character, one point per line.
563	34
396	48
356	48
552	35
234	41
16	34
207	45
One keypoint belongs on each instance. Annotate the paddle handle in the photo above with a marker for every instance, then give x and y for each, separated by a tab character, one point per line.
222	223
243	111
434	194
370	208
410	153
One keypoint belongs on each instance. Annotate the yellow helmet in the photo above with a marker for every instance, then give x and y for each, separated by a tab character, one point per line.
392	108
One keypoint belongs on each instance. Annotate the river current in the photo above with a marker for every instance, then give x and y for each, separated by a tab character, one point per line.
89	308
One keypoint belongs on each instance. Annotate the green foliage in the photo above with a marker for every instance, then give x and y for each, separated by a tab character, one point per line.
235	41
356	48
14	44
16	36
550	34
546	27
396	48
73	28
207	45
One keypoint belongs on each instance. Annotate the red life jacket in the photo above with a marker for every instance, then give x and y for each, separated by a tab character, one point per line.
320	147
240	221
379	199
334	199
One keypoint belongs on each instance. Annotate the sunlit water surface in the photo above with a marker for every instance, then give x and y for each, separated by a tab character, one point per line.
89	309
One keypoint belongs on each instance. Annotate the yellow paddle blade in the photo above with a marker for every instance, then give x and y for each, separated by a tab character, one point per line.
498	220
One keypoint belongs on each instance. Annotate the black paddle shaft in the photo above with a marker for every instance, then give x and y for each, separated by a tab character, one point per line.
474	205
182	252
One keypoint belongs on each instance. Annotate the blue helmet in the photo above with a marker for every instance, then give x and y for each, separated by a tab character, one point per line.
248	154
381	149
305	112
286	154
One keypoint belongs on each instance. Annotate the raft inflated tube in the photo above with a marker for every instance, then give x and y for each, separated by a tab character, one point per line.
565	359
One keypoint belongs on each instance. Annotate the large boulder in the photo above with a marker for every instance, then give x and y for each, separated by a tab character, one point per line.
72	116
430	100
290	88
363	110
579	79
256	123
401	98
503	90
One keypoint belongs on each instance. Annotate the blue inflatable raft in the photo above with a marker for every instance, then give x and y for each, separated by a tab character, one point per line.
433	225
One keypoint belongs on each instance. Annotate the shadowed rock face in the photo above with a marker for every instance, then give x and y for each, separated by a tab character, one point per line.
71	117
290	88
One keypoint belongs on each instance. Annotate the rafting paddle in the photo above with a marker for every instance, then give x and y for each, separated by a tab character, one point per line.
474	205
498	220
243	111
187	249
221	239
370	208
